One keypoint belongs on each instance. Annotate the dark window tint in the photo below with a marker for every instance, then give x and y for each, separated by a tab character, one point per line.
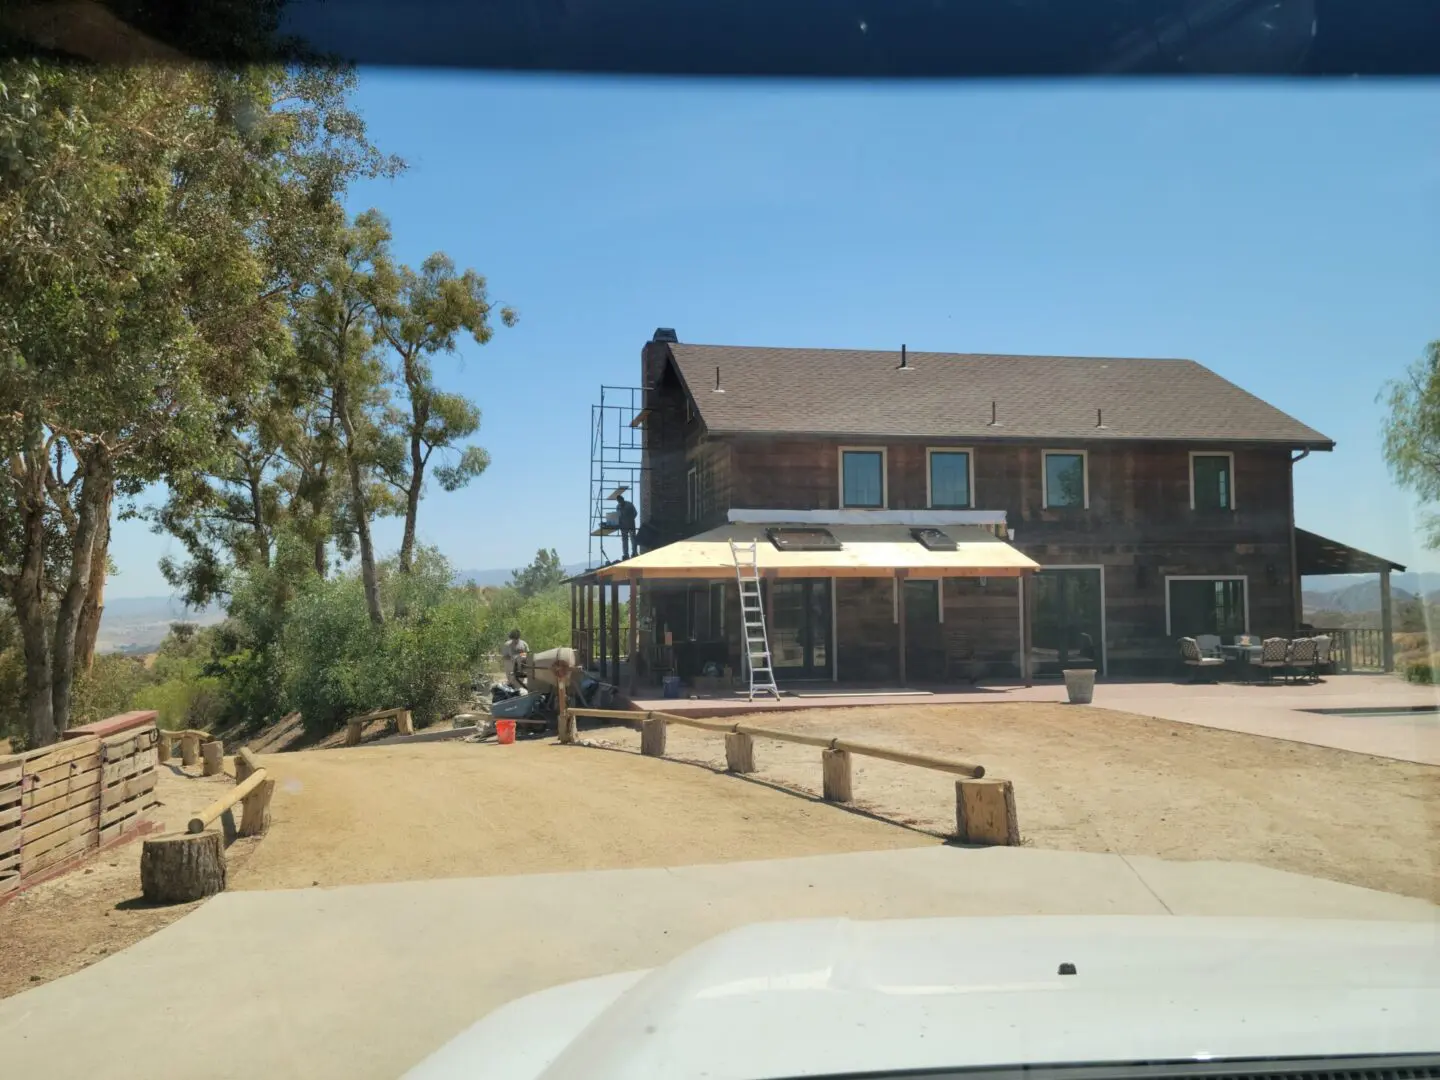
863	478
1064	479
1212	482
950	480
1207	607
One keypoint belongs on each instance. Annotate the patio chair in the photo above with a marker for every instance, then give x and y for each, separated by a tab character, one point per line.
1323	660
1301	660
1273	654
1209	644
1197	661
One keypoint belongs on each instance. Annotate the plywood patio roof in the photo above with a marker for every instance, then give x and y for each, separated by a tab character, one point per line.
866	551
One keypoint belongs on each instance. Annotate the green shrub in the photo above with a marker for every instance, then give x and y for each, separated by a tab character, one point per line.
111	686
1425	671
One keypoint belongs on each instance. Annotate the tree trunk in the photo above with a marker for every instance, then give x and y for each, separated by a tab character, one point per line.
94	606
321	562
412	502
180	867
94	489
28	588
362	511
257	512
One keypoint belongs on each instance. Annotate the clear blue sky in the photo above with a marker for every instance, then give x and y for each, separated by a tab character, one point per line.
1283	234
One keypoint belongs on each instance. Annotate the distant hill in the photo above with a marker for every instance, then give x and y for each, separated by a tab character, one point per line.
1353	599
502	577
140	623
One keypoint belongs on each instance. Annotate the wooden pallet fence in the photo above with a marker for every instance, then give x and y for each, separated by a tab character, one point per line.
984	809
61	802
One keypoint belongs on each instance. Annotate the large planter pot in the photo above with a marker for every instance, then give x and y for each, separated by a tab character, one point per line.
1080	685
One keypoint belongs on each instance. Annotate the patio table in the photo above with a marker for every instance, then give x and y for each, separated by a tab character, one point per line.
1242	655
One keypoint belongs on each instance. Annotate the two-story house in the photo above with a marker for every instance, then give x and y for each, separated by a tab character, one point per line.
933	517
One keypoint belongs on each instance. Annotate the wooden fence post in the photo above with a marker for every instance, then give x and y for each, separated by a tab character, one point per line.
985	812
835	769
565	722
404	724
162	747
255	809
213	753
189	747
244	765
739	752
652	737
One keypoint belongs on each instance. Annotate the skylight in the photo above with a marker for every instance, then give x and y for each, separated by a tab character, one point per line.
803	539
934	539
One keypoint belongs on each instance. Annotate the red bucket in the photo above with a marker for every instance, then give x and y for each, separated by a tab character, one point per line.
504	731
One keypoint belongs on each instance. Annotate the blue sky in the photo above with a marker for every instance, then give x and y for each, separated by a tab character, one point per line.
1282	234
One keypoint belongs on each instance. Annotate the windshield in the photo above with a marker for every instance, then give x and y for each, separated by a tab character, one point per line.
499	497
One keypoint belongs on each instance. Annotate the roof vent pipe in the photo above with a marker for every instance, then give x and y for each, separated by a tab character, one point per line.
994	416
904	360
1099	418
717	389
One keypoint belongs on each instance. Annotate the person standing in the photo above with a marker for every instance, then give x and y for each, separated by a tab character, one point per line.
513	655
625	516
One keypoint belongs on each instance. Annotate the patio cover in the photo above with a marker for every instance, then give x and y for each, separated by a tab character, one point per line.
866	551
1316	556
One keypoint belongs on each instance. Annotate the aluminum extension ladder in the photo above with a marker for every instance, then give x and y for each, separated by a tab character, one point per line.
752	620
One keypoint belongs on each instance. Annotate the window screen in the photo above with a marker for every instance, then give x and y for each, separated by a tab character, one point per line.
950	479
1213	490
862	479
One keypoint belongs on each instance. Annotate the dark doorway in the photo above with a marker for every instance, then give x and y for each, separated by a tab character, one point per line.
800	628
924	647
1069	621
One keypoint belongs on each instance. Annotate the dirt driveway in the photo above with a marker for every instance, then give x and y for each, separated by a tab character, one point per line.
1089	779
455	809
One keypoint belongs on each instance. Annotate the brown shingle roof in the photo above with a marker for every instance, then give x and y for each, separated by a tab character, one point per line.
854	392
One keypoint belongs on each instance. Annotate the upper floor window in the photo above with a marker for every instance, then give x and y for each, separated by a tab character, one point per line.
1066	480
862	479
1212	481
949	480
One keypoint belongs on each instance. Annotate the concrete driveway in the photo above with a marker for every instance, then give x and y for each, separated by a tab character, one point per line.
364	980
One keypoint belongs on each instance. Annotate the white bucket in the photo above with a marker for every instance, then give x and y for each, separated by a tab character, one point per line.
1080	685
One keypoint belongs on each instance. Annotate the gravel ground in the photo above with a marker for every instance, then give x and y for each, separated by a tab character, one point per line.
1089	779
73	920
463	809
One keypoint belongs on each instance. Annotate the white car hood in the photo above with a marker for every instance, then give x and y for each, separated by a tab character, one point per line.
821	997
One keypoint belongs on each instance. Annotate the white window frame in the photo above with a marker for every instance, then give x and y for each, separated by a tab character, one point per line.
1206	577
692	494
884	453
1045	455
1213	453
930	452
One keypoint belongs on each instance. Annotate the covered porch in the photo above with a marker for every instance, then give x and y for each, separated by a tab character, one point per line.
1354	648
893	602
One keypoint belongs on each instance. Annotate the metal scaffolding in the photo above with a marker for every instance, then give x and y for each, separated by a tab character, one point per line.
617	463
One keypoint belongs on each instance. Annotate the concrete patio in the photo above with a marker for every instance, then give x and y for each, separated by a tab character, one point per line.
1277	710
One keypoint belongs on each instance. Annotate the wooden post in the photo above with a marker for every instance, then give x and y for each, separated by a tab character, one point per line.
634	635
604	638
162	747
245	764
353	732
565	723
835	775
255	809
900	619
1027	619
985	812
189	747
214	758
739	752
652	737
1387	636
180	867
404	723
615	631
589	626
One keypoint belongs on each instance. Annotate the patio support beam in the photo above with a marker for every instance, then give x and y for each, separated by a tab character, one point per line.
1027	617
615	631
1387	639
603	641
634	635
900	619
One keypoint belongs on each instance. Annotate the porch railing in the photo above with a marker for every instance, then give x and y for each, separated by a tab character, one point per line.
1356	648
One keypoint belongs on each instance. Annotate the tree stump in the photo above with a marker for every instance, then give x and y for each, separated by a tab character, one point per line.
179	867
985	812
835	770
243	768
213	753
255	809
404	723
652	738
739	752
189	748
162	747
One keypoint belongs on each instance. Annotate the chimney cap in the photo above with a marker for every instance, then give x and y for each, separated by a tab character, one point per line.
665	333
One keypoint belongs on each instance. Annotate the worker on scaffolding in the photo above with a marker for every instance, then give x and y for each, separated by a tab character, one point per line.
625	517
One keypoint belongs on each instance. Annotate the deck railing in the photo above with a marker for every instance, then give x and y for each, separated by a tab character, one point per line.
1356	648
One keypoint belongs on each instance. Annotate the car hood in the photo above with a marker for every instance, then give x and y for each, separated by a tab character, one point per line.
821	997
